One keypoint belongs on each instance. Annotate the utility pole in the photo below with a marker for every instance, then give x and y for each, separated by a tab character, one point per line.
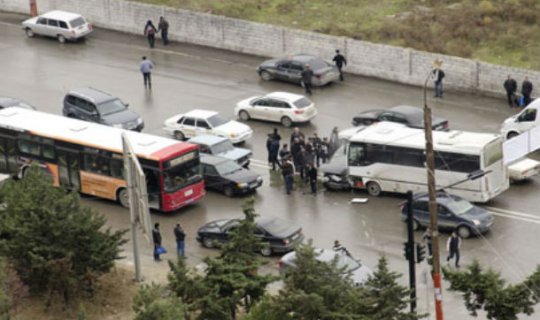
430	163
410	250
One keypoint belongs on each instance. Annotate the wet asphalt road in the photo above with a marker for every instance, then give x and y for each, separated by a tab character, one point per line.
41	71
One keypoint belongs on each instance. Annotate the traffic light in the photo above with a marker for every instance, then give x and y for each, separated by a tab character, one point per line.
406	251
420	252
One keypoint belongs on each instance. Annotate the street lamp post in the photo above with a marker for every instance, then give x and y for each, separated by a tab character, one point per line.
430	164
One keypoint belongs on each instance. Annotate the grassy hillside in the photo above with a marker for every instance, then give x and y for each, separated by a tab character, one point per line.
504	32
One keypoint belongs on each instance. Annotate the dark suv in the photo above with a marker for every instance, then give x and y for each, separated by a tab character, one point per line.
94	105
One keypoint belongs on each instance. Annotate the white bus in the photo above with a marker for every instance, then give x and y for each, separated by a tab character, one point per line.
390	157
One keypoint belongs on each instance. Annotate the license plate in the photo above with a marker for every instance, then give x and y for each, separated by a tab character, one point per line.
188	193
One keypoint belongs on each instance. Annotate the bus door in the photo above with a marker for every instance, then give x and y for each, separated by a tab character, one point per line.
68	169
8	156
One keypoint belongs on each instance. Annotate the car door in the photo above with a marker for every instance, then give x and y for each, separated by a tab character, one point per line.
188	127
212	179
421	212
276	109
445	218
260	109
202	127
282	70
52	27
295	72
526	120
41	26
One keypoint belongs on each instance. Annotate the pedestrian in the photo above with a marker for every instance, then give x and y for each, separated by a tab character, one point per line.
180	237
338	247
156	237
284	153
307	74
438	75
146	67
340	61
317	142
452	246
163	27
325	147
297	134
287	170
272	146
312	177
300	163
526	90
334	142
276	135
510	85
150	33
426	238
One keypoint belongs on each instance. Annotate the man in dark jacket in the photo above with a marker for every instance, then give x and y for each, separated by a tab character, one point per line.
163	26
272	146
340	61
438	75
526	90
312	177
510	85
453	245
156	237
284	153
180	237
287	170
307	74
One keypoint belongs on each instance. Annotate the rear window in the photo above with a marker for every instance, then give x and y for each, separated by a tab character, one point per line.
317	64
77	22
302	103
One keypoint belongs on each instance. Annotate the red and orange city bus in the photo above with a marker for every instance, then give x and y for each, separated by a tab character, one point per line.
87	157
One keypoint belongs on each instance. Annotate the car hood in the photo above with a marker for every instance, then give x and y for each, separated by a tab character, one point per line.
243	175
477	213
30	21
510	120
235	154
232	127
122	117
173	120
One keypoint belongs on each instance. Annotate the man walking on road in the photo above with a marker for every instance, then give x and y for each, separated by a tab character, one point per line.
526	90
156	237
146	67
287	170
452	246
340	61
180	236
307	74
312	177
163	27
510	85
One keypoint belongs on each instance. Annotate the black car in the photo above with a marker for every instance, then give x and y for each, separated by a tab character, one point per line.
453	213
280	235
290	68
410	116
7	102
227	176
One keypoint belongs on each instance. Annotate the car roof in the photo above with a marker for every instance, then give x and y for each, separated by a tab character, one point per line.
207	139
413	114
440	197
61	15
287	96
92	94
199	113
213	160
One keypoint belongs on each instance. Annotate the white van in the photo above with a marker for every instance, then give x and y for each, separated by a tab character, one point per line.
61	25
525	120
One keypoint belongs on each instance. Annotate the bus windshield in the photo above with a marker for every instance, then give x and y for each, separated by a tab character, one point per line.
181	172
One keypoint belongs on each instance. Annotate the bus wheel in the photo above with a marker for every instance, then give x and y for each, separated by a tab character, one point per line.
123	198
373	189
464	232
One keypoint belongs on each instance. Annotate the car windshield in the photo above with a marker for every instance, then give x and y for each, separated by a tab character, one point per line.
217	120
459	206
111	106
77	22
224	146
182	171
227	167
302	103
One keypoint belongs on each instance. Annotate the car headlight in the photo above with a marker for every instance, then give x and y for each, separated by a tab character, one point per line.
242	185
476	222
139	121
233	135
118	125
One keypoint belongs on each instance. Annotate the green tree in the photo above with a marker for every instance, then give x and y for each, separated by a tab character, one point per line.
486	290
153	302
56	244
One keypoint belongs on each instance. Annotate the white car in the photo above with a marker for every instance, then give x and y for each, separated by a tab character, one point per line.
198	122
523	169
525	120
61	25
283	107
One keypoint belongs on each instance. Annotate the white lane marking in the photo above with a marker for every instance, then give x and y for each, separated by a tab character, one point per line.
515	213
515	218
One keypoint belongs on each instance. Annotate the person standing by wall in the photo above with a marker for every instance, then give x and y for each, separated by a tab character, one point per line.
340	61
150	33
510	85
438	75
453	245
180	237
526	91
163	27
156	238
146	67
307	74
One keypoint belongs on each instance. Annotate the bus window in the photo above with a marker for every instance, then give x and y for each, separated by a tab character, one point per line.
30	147
48	149
357	155
117	169
456	162
97	164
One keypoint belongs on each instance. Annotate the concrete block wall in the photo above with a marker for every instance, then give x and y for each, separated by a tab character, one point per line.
369	59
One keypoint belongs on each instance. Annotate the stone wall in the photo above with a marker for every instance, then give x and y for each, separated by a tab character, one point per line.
375	60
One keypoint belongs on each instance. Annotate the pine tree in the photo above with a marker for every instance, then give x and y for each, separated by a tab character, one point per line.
152	302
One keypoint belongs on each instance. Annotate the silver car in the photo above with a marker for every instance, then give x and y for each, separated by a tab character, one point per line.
222	147
290	69
61	25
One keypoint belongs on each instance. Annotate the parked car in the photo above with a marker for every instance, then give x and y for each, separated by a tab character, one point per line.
525	120
94	105
7	102
227	176
360	273
523	169
283	107
222	147
198	122
290	69
58	24
410	116
453	213
280	235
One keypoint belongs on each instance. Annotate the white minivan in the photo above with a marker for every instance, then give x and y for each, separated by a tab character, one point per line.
525	120
61	25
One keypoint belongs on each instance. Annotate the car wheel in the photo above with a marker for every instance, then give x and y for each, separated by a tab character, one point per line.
266	251
265	75
286	122
373	189
228	191
208	242
511	135
244	115
123	198
415	225
464	232
61	38
178	135
29	33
